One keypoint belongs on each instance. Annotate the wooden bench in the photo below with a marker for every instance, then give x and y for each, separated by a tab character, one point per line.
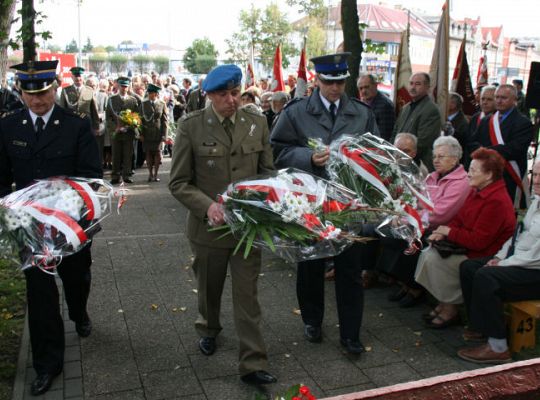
523	316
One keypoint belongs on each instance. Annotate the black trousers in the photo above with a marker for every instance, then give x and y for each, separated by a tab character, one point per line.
485	289
44	319
349	291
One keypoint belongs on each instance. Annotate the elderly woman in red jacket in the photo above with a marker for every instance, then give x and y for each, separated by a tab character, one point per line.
484	222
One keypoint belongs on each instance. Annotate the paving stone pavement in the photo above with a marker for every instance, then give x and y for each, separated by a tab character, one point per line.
143	306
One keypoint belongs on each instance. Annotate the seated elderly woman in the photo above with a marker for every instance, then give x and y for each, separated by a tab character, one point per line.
512	275
448	188
484	222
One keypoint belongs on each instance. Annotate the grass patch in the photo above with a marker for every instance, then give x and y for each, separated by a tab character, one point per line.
12	309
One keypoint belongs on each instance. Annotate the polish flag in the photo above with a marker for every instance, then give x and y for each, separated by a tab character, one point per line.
482	76
277	74
250	76
301	83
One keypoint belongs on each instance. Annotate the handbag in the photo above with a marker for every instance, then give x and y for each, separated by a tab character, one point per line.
446	248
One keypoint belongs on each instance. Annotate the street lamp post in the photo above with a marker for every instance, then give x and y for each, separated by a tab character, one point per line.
79	54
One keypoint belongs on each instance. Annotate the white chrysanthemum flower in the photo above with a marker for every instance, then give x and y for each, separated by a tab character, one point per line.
25	220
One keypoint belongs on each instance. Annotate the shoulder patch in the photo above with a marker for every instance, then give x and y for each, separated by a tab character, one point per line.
192	114
292	101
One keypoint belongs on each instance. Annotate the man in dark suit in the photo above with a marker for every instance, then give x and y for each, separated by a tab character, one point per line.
197	98
510	133
421	117
327	114
457	119
380	104
44	140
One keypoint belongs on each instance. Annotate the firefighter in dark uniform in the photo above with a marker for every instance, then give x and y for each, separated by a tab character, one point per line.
327	114
39	141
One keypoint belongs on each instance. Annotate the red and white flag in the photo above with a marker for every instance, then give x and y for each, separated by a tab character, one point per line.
250	76
439	63
461	81
482	76
403	74
277	73
301	83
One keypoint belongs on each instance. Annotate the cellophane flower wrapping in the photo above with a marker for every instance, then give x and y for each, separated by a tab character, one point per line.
51	219
294	214
383	176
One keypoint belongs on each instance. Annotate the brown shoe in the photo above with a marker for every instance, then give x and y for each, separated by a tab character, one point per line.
472	336
484	355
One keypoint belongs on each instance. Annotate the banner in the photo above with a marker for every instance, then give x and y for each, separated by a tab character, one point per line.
65	63
250	76
301	83
482	75
277	73
439	64
403	73
461	81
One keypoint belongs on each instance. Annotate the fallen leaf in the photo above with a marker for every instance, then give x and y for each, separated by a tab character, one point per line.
287	355
261	274
368	348
295	343
154	306
120	310
183	309
176	367
174	309
296	311
290	275
337	325
418	343
161	243
381	315
194	290
418	333
395	350
187	267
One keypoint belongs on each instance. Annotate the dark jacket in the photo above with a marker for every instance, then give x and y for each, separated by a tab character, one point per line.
66	147
385	115
461	128
305	118
517	133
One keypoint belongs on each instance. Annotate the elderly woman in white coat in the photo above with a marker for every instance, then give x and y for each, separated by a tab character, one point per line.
512	275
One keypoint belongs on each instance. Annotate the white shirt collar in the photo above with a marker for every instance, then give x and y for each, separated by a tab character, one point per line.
326	103
452	116
45	116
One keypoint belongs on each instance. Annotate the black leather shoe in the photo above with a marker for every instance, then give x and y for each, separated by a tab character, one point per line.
397	296
258	378
410	301
115	181
207	345
84	329
313	333
352	346
128	180
42	383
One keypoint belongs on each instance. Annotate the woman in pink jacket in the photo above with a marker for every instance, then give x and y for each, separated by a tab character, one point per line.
448	188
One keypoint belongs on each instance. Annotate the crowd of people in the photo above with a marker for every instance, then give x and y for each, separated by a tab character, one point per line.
475	174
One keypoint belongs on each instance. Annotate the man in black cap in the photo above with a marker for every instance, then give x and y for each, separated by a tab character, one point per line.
215	146
40	141
122	137
327	114
79	97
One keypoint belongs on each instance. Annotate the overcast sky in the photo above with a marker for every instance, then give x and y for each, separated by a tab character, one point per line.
177	23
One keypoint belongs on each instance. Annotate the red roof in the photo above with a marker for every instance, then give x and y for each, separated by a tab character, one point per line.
473	23
492	33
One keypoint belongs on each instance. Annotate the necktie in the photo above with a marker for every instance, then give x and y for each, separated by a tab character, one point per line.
228	126
333	111
39	127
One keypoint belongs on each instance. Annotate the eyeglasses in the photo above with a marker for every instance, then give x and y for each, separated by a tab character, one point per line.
436	157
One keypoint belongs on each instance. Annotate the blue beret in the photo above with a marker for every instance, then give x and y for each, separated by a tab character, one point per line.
223	77
332	66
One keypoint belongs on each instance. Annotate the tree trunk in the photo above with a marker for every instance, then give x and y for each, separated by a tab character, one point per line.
352	42
28	32
7	12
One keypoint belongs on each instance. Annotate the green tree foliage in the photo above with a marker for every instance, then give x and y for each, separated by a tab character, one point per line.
72	47
161	64
87	48
97	61
99	49
263	30
110	49
201	56
312	8
118	62
141	61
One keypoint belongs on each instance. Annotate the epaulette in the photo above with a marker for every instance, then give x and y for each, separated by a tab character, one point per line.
360	101
293	101
12	112
252	111
192	114
74	113
80	114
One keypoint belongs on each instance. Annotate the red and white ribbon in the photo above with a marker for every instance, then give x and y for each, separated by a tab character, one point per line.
89	197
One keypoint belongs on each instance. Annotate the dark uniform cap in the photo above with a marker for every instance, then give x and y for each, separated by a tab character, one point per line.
36	76
77	71
123	81
332	67
153	88
223	77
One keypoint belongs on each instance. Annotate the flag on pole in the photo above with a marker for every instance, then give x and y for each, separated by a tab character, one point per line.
482	76
277	73
439	63
250	76
461	81
403	73
301	83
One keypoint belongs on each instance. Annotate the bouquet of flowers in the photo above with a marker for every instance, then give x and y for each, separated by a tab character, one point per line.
296	392
296	215
50	219
383	176
130	119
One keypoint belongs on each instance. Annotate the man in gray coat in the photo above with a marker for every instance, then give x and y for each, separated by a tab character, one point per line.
327	114
421	117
